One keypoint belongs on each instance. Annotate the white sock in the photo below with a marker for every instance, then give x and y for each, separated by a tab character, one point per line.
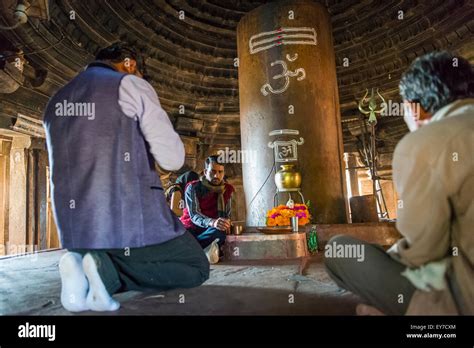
98	299
212	252
74	284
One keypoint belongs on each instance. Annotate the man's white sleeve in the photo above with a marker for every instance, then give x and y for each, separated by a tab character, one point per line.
138	100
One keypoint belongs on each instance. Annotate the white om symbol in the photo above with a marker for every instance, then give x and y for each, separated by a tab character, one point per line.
285	74
285	151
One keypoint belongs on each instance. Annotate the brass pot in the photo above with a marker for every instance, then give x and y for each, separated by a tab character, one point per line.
287	177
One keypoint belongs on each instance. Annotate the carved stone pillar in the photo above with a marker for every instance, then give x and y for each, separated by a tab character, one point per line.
352	165
287	80
390	196
17	206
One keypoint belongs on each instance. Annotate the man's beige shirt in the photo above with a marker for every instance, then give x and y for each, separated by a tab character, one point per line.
433	170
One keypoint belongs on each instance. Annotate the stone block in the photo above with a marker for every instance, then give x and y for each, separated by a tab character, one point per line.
253	245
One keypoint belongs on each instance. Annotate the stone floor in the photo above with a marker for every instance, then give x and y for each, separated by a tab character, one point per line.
31	285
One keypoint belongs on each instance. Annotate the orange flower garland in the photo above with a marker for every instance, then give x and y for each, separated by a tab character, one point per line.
280	215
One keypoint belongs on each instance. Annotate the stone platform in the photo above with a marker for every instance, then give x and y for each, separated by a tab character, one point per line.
254	245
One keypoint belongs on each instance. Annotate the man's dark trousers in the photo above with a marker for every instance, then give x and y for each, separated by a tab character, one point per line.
206	236
177	263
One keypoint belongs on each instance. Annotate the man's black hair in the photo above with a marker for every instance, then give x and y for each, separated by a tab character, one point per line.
437	79
119	51
212	159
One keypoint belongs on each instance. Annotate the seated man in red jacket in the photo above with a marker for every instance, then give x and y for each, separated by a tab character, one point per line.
208	205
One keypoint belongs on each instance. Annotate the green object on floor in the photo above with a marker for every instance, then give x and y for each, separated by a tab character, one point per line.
312	240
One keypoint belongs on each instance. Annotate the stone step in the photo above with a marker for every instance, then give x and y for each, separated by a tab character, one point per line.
254	245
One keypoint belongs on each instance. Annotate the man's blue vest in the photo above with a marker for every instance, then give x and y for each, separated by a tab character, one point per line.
105	190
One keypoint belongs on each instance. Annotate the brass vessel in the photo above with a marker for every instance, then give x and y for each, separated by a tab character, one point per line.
287	177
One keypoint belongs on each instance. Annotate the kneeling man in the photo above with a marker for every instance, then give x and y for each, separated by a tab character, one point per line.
108	200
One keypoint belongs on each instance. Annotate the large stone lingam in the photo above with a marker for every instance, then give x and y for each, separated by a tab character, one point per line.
287	81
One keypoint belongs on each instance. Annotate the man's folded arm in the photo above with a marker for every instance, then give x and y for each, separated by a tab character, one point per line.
192	204
138	100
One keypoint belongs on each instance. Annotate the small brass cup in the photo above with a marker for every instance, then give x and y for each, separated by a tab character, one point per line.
237	229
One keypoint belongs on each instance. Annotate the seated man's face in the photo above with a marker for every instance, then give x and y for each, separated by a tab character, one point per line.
214	173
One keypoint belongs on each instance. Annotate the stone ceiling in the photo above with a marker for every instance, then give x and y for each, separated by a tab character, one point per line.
192	59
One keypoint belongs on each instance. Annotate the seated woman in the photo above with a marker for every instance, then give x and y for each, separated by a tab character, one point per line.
175	193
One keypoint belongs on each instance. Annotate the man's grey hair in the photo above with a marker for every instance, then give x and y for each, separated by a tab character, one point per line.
437	79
